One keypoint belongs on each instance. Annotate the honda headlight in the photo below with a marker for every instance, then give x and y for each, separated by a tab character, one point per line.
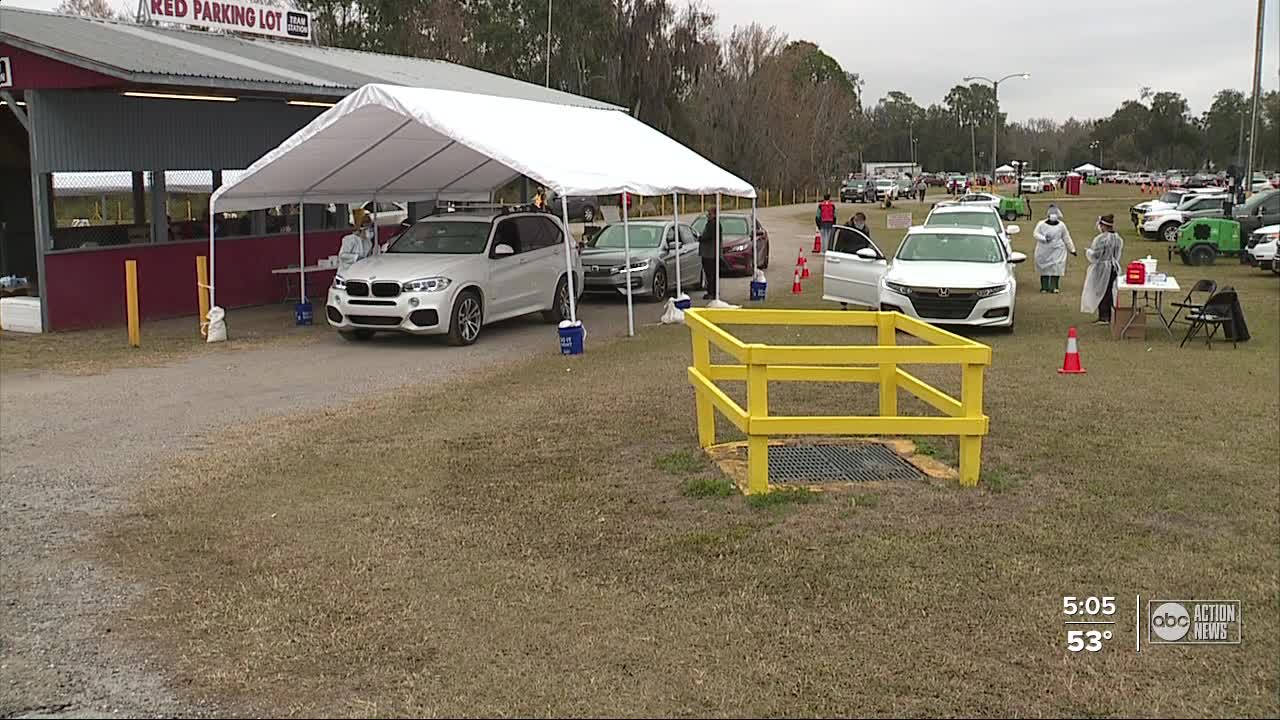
636	266
898	288
987	292
739	247
430	284
339	283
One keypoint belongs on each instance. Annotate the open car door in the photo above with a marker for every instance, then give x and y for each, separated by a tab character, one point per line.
848	277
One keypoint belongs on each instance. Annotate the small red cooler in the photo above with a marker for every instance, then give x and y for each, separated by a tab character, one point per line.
1136	273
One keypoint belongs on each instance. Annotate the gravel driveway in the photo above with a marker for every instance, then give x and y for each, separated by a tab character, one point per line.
72	448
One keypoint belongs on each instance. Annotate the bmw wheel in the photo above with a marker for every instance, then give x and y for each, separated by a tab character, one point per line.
468	316
589	214
560	309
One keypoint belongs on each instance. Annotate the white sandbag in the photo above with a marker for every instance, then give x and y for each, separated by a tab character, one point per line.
718	304
673	315
217	326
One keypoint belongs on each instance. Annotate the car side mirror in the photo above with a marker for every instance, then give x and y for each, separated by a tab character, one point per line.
867	253
503	250
1012	230
671	243
1017	257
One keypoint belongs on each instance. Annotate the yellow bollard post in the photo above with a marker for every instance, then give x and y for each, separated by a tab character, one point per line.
131	298
886	336
706	411
766	197
793	196
202	290
702	202
971	445
664	206
757	445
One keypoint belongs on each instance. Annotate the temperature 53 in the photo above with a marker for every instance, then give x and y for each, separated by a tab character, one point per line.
1088	606
1090	640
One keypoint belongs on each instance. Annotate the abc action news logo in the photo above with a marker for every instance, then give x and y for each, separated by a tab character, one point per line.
1194	622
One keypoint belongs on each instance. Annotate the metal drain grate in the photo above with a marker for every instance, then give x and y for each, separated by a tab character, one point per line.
837	463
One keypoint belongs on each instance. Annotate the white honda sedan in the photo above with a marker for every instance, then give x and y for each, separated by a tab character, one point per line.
942	275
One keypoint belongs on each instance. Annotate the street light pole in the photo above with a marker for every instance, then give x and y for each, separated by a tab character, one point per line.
995	120
1095	145
1257	92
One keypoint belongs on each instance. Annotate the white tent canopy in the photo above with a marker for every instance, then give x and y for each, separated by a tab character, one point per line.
1005	170
401	143
1089	169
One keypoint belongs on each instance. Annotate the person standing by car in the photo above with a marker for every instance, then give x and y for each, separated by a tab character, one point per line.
1053	242
825	218
859	222
707	252
1104	267
357	245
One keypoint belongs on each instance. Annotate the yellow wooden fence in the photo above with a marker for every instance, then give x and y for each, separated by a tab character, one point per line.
759	364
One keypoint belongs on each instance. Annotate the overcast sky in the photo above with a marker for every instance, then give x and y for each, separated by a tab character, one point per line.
1084	56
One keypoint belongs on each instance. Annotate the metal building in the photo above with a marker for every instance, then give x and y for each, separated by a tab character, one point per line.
84	95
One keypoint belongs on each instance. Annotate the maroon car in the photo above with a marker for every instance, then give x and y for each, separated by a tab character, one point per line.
735	241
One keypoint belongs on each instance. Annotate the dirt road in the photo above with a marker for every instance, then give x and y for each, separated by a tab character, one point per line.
72	448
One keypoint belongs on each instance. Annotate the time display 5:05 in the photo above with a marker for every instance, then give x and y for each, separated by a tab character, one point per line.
1072	605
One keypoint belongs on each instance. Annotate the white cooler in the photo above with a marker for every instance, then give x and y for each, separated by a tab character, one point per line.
20	314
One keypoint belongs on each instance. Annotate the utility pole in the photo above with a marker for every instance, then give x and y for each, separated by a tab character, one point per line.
1257	93
973	143
548	80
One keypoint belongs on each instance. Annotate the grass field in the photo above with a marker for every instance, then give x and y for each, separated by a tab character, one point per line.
549	540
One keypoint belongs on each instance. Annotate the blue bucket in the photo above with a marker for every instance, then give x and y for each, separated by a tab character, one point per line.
571	339
302	313
683	303
758	288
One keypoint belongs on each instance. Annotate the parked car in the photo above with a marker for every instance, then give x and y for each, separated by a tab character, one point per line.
885	186
1262	246
1031	184
858	190
735	242
957	184
1163	224
1010	208
1260	210
383	213
1260	183
653	260
946	276
455	273
1142	178
1167	201
972	215
584	208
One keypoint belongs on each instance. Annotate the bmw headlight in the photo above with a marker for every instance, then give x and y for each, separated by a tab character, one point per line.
900	289
636	266
989	291
339	283
430	284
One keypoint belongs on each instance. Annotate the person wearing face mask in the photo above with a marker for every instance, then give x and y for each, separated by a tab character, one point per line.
1104	267
1053	242
859	222
357	245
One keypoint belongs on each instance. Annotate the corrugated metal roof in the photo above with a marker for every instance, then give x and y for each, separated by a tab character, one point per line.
152	55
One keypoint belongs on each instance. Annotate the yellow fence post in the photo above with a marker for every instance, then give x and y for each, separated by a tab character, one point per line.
706	411
971	445
886	336
766	197
663	200
202	288
702	203
131	298
757	445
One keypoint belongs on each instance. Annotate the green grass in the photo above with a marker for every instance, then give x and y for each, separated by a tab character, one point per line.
925	446
706	487
681	462
782	498
571	577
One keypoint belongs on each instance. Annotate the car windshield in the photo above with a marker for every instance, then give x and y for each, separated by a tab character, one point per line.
950	248
965	219
1251	205
642	236
443	238
729	225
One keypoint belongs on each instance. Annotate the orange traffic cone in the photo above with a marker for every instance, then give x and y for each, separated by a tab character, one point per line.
817	243
795	284
804	268
1071	361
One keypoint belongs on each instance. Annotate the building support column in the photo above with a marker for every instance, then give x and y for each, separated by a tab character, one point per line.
159	208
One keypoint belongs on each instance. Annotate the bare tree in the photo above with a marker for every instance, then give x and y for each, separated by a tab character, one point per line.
100	9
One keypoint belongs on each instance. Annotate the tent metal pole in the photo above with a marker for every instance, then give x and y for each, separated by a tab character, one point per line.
212	272
755	240
718	242
375	226
626	245
302	255
568	258
675	219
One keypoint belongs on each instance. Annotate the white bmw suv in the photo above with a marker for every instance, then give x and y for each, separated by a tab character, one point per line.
455	273
942	275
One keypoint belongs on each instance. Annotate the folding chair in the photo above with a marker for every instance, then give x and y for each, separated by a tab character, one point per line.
1208	287
1217	312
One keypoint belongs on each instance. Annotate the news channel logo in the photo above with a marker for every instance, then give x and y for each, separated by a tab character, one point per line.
1194	622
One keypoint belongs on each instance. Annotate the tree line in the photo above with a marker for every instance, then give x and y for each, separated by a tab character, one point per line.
777	111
